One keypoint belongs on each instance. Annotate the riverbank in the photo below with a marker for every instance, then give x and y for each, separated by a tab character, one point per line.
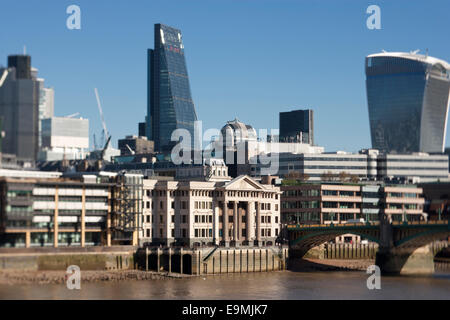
311	264
58	277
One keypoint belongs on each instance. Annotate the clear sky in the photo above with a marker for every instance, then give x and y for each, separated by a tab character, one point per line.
248	59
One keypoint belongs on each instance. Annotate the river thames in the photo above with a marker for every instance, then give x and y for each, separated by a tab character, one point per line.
283	285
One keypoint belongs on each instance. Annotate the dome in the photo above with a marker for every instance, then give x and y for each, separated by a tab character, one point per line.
238	131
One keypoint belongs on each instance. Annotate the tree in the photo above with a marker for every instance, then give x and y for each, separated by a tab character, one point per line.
344	176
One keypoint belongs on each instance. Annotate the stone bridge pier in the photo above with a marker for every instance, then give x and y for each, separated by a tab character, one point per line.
406	251
405	261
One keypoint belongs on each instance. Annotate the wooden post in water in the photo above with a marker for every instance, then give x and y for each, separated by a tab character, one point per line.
146	259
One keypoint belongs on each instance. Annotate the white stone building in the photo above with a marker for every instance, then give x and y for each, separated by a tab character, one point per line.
236	212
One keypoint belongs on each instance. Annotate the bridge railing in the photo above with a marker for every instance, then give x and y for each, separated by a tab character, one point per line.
362	224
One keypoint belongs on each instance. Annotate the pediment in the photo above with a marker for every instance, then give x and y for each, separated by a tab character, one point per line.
243	183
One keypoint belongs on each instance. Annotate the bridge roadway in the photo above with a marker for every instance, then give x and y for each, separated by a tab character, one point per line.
403	246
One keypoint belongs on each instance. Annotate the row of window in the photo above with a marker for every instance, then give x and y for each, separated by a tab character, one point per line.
209	193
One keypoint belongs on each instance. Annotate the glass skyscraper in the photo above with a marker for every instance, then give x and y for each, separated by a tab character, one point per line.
408	99
170	104
297	125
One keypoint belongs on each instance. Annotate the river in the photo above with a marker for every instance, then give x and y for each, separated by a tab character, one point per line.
273	285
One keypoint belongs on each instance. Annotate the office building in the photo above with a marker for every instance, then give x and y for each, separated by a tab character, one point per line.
19	108
408	98
447	152
365	165
132	145
240	212
170	104
41	209
297	126
46	105
437	199
64	138
323	203
423	166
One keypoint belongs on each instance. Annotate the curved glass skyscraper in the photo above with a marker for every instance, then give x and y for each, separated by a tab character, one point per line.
408	99
170	104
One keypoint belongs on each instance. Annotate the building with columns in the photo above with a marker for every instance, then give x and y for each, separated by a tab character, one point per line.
237	212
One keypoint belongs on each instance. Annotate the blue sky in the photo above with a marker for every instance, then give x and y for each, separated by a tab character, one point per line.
248	59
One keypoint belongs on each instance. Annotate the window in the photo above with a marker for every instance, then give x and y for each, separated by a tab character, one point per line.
148	219
173	205
172	233
210	218
147	233
161	219
173	218
183	218
148	204
196	233
196	218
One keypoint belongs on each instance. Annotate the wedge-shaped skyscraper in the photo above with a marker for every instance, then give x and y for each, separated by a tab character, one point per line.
408	99
170	104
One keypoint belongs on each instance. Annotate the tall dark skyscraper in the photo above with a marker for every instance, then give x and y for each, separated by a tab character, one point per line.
170	104
408	98
297	125
19	108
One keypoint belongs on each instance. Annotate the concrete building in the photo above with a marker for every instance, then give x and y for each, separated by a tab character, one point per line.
447	152
48	209
422	166
365	165
135	145
322	203
408	99
46	103
237	212
64	138
19	108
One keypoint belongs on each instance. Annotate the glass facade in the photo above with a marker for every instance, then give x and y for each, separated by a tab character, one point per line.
408	97
170	104
297	125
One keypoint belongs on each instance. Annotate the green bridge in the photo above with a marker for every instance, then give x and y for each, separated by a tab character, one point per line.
403	246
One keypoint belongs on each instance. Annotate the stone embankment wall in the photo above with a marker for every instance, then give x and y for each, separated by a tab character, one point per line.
112	258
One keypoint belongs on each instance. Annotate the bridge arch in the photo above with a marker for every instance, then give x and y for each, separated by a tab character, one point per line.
302	244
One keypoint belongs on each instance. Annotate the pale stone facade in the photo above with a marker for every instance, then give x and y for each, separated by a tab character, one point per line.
231	213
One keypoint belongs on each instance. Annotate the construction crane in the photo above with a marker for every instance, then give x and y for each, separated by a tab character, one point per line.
3	77
72	115
105	131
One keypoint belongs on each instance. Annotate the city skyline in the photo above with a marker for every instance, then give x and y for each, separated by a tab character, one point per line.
221	68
